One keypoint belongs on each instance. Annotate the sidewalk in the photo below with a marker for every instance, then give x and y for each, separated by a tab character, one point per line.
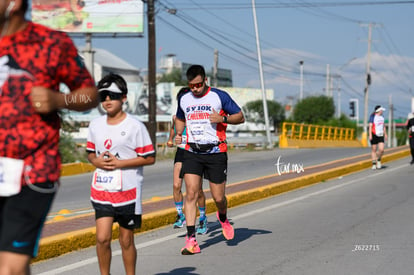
59	237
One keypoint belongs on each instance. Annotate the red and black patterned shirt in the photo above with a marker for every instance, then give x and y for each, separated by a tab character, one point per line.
35	56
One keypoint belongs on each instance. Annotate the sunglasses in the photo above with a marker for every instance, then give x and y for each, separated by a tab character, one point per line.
196	85
112	95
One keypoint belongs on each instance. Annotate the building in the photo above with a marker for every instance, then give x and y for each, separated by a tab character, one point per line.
105	62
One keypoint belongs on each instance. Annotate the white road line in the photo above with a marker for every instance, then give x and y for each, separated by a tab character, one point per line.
238	217
271	207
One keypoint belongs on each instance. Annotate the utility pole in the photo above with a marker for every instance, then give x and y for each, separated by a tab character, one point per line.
215	68
259	57
301	80
367	84
88	55
338	83
390	122
152	96
290	98
331	86
328	77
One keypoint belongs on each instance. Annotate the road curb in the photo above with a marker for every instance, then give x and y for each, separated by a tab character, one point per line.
291	184
70	169
63	243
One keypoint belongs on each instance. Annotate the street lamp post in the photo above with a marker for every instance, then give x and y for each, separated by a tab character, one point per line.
338	83
301	80
259	56
152	96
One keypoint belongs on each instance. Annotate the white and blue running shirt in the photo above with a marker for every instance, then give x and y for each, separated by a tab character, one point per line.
377	125
196	112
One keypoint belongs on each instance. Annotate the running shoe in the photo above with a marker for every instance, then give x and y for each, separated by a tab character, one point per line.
202	225
191	246
228	231
379	166
374	166
180	221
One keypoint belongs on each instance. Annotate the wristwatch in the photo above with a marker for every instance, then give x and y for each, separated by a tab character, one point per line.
224	119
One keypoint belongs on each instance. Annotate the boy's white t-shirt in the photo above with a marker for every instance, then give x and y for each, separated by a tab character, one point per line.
125	140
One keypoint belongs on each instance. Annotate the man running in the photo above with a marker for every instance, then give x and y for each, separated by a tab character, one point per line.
205	111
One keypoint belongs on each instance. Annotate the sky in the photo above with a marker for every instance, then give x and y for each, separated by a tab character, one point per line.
320	33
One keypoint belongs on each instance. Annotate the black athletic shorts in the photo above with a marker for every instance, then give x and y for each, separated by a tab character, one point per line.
179	155
376	139
212	166
22	217
124	215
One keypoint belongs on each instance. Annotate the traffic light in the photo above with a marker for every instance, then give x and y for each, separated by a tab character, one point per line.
352	107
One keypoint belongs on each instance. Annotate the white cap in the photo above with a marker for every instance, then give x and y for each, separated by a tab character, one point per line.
379	108
113	88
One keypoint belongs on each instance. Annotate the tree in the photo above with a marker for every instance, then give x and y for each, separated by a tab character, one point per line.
314	109
173	76
253	110
342	121
68	148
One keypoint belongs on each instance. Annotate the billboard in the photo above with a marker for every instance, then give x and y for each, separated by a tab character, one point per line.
90	16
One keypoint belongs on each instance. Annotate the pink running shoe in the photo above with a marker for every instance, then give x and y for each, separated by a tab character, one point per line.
191	246
228	231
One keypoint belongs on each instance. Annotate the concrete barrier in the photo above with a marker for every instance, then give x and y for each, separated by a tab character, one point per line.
70	169
302	143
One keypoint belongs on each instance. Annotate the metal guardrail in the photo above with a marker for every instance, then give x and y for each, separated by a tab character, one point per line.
317	132
310	132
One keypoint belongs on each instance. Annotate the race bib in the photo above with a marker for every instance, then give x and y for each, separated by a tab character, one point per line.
104	180
197	132
10	176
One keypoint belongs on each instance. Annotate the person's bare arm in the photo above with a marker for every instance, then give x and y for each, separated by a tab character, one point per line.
370	130
170	142
235	118
45	100
179	129
230	119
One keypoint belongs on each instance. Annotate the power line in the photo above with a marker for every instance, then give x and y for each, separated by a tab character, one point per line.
235	6
237	45
208	31
309	7
201	43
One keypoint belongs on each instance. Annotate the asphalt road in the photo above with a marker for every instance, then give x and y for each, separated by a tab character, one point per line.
74	191
361	223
